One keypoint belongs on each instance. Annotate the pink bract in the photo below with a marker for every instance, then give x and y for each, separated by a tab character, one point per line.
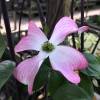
64	59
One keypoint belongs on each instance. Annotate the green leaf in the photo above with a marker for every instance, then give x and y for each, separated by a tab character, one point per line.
2	45
94	66
91	58
98	59
6	55
6	68
42	75
56	80
93	70
66	91
70	92
86	85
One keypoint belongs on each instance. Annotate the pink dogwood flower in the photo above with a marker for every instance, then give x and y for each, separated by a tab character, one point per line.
64	59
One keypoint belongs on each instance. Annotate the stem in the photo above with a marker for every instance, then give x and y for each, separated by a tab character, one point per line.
42	18
72	15
96	45
8	28
20	19
82	23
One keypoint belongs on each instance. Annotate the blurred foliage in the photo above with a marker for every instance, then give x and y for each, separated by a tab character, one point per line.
2	45
89	41
94	20
94	66
6	69
68	91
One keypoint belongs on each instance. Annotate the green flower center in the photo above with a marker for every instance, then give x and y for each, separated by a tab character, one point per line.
48	47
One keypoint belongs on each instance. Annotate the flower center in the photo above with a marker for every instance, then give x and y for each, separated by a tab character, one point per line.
48	47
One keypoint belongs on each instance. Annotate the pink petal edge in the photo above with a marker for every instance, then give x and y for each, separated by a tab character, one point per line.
26	71
67	60
83	29
63	28
33	40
